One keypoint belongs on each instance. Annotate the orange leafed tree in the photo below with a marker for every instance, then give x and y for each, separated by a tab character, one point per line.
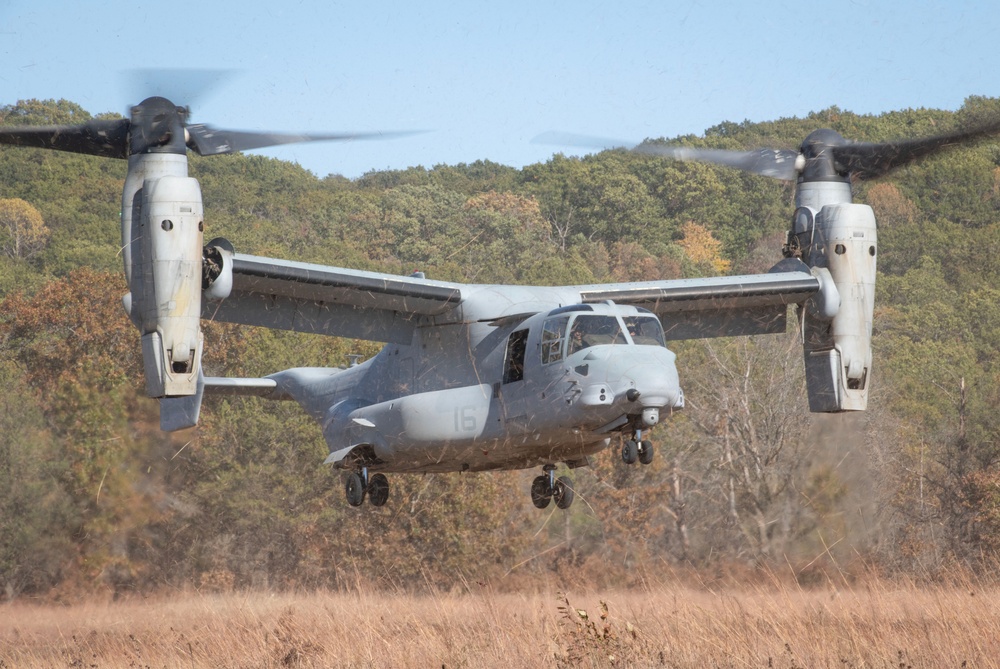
701	247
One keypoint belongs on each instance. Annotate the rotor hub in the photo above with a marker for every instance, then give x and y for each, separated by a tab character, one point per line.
819	162
157	127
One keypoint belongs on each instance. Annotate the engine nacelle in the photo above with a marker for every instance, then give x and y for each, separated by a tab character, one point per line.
165	283
840	239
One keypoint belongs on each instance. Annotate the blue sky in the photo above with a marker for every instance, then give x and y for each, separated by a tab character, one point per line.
485	78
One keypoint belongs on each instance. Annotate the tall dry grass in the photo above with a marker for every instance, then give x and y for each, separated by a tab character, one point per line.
880	625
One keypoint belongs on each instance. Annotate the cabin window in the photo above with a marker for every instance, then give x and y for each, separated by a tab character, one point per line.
645	330
513	365
553	333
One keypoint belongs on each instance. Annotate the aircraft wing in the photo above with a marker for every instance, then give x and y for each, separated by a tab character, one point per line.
304	297
722	306
318	299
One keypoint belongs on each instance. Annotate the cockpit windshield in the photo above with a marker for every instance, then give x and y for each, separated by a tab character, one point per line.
645	330
592	330
561	338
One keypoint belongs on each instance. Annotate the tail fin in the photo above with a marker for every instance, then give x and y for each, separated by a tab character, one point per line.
180	413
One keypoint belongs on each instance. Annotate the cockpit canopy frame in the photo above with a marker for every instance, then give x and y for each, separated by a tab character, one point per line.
570	329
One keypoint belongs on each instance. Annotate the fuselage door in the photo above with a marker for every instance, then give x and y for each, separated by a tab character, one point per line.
513	391
513	362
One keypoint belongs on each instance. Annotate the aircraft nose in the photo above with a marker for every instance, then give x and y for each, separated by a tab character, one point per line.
651	381
630	378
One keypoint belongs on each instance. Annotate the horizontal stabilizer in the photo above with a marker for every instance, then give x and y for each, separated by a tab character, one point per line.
220	385
180	413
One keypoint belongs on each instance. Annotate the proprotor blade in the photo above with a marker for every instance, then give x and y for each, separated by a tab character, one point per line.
157	125
774	163
192	86
557	138
97	138
209	141
872	160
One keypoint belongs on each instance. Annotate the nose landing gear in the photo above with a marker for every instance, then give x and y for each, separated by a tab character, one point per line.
547	487
358	484
637	449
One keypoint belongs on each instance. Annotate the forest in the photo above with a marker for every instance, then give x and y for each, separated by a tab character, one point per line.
94	498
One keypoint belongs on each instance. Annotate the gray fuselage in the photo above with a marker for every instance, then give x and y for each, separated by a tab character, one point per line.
515	392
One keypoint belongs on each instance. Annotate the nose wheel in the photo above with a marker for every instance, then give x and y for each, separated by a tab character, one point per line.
645	452
547	487
637	449
359	484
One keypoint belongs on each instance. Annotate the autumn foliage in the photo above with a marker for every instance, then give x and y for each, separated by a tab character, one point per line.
94	498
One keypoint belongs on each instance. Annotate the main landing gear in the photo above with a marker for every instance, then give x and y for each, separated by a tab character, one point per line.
359	484
547	487
637	449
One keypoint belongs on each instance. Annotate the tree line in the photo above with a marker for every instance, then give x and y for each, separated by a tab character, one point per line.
94	497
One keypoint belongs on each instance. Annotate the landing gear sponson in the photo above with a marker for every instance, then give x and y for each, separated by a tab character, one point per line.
359	484
547	487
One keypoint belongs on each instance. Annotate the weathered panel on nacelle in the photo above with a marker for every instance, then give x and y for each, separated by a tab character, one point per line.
837	351
172	220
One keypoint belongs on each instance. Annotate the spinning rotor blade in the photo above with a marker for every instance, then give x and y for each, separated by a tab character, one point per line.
208	141
775	163
582	141
781	164
159	126
823	156
193	85
97	138
869	161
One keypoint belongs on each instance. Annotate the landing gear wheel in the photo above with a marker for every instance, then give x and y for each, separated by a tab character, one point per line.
630	452
563	492
646	451
540	493
355	489
378	490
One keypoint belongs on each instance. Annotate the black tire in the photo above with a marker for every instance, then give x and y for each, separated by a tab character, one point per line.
646	451
563	493
540	493
630	452
355	489
378	490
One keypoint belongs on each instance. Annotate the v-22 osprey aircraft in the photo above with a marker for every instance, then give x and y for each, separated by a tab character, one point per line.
481	377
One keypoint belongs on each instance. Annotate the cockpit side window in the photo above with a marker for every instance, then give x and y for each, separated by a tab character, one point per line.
645	330
553	333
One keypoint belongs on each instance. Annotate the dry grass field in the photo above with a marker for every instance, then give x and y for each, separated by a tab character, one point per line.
772	626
